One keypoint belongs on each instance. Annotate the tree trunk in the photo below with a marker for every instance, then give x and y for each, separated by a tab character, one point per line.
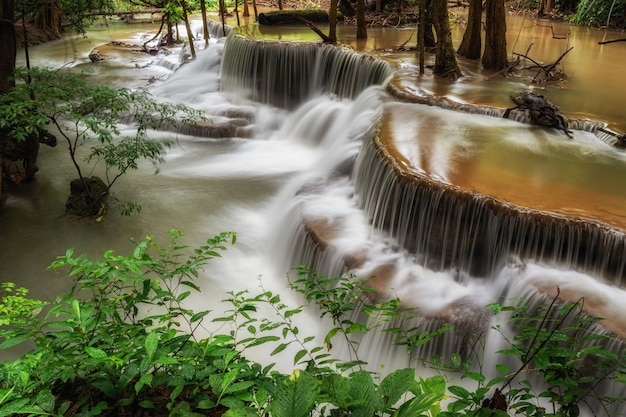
471	44
280	4
205	24
246	9
192	48
8	52
545	7
494	56
361	29
427	24
8	45
332	21
169	38
223	16
445	57
256	12
421	34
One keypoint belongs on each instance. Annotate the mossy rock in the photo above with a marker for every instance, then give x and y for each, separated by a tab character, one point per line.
290	17
87	198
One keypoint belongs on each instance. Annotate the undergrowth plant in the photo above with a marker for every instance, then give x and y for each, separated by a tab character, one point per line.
124	342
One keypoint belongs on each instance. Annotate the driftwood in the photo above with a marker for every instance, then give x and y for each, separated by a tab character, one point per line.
612	41
550	72
540	111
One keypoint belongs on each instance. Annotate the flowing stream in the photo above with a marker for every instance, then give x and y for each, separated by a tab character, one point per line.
309	175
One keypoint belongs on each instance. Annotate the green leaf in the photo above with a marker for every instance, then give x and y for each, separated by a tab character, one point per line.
151	343
418	405
296	396
145	379
459	391
14	341
395	385
475	376
95	352
262	340
299	355
45	400
145	404
502	368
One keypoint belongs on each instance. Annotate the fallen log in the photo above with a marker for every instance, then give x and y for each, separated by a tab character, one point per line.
290	17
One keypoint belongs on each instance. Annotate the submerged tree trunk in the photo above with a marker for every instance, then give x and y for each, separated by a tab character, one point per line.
494	56
361	29
471	44
446	64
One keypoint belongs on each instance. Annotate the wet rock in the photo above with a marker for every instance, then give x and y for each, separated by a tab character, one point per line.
87	198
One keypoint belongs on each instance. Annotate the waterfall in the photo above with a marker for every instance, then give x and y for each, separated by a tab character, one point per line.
354	203
447	227
286	74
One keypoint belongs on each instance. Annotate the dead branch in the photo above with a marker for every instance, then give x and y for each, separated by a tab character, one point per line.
611	41
314	28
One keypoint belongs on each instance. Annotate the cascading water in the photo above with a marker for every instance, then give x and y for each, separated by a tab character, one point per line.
441	249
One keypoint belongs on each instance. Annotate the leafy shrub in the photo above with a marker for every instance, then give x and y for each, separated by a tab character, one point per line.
122	342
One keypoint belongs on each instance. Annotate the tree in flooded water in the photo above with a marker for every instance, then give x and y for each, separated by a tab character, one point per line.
446	64
86	117
19	153
471	44
494	57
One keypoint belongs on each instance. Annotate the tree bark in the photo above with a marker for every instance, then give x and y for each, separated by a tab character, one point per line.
332	21
256	12
426	21
494	56
471	44
246	9
446	64
421	34
361	29
192	48
545	7
205	24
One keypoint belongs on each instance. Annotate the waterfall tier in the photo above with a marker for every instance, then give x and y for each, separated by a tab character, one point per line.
285	74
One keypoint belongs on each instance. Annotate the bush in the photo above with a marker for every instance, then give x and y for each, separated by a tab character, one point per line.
122	342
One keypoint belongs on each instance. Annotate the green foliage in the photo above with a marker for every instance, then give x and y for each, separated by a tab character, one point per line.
600	13
123	340
120	335
88	115
81	14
